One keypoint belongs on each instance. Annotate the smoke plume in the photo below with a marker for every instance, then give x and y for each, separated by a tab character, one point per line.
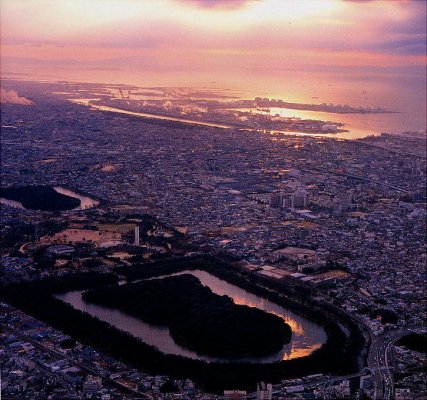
11	97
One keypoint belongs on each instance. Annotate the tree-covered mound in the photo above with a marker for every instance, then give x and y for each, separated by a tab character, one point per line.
197	318
42	198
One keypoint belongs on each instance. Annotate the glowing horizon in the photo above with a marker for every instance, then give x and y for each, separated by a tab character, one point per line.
243	44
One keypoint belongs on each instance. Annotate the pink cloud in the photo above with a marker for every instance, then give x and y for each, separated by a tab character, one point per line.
11	97
231	4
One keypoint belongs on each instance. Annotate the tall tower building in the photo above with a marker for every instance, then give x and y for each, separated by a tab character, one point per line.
287	202
136	241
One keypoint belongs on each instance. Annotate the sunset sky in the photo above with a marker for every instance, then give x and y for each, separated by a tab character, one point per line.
196	41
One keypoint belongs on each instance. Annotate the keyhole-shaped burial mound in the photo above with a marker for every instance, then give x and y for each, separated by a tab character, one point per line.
197	318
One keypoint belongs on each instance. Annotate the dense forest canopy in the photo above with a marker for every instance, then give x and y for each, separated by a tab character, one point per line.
43	198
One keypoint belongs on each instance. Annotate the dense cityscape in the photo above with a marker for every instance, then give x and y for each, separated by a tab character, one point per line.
213	200
341	221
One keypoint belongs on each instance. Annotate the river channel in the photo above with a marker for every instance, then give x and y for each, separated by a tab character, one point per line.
306	335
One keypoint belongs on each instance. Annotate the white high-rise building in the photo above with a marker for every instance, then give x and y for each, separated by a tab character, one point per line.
264	391
287	203
136	242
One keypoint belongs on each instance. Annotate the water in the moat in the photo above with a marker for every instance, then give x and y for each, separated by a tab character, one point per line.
306	335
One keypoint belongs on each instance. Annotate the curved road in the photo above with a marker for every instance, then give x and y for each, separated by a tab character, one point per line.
379	363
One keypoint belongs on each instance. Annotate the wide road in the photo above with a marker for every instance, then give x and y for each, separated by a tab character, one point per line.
361	178
402	153
379	357
379	363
